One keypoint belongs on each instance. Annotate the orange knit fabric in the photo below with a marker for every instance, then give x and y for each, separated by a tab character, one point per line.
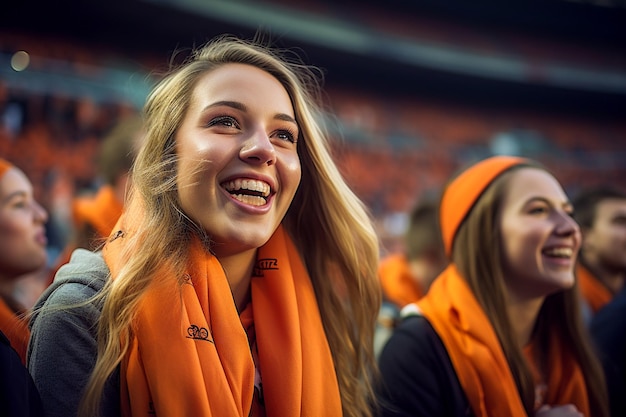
15	329
478	359
190	355
591	289
461	194
4	166
397	282
101	210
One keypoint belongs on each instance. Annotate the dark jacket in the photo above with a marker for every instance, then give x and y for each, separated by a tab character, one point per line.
608	330
63	345
18	395
417	374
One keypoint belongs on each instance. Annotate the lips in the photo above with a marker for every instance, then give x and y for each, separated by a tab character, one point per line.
41	238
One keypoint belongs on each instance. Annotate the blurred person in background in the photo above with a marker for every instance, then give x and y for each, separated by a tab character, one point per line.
500	331
95	215
22	249
405	277
601	271
240	279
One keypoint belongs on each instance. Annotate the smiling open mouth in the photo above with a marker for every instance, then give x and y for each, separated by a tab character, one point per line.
565	253
248	191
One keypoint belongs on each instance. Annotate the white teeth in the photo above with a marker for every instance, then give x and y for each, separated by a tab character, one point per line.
250	199
248	184
561	252
248	191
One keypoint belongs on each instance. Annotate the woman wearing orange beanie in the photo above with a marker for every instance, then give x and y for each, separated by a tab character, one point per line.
22	251
22	247
240	279
499	332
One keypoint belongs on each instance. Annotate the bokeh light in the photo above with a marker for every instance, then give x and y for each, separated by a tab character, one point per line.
20	60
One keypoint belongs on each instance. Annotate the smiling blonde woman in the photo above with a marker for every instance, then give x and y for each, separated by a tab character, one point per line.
242	271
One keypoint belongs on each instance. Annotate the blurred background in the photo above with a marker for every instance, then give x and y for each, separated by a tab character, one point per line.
415	89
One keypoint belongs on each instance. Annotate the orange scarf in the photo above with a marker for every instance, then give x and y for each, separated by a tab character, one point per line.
4	166
398	285
101	210
591	289
477	356
15	329
190	355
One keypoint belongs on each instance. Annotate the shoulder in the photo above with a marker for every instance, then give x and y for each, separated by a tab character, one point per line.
18	395
67	302
415	336
417	374
82	277
608	327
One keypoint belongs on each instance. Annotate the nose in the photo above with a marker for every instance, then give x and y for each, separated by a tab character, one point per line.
40	214
566	225
258	149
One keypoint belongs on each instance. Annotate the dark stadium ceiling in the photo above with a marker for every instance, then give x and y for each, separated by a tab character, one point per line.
356	55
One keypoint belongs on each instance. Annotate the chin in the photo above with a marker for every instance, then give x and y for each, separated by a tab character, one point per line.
562	284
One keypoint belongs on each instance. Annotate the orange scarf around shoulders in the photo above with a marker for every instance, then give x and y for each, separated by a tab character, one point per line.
395	277
190	355
15	329
592	290
478	359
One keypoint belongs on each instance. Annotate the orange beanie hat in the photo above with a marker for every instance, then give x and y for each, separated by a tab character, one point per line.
461	194
4	166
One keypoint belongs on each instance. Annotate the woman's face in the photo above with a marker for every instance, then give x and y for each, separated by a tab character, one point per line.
238	163
539	237
22	234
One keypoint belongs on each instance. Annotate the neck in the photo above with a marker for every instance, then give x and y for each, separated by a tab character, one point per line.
523	315
238	270
6	295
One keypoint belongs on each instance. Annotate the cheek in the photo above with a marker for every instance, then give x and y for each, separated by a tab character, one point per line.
520	245
614	241
12	229
291	173
16	238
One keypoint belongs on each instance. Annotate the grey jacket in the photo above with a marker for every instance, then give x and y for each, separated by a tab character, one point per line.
62	348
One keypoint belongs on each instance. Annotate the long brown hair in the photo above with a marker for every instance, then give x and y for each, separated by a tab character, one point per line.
478	256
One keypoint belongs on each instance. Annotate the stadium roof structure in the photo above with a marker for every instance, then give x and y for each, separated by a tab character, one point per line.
340	38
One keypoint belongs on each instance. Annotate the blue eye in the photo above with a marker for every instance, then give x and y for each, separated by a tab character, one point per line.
226	121
286	135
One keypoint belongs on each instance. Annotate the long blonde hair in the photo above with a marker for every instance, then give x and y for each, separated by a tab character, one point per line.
328	223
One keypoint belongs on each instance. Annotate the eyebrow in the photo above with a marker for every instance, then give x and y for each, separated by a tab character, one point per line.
565	204
12	195
242	107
